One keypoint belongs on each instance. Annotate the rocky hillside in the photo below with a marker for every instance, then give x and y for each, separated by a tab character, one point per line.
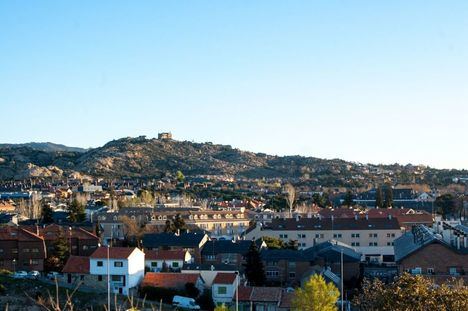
141	157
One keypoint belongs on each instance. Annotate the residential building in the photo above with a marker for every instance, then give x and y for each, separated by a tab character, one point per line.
262	298
21	249
190	241
424	252
372	237
176	281
166	260
224	287
208	272
126	267
228	251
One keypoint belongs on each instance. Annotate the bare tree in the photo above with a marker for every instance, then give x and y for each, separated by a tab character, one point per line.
290	193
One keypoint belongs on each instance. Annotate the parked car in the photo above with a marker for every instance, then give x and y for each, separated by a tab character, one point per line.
53	275
20	275
34	274
185	303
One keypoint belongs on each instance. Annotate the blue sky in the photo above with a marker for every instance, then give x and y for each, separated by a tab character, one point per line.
367	81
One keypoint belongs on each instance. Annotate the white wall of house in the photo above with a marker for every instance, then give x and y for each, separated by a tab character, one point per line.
207	275
131	268
223	293
157	265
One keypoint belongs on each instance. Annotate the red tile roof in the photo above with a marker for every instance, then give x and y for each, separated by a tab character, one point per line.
18	234
77	264
169	280
114	252
178	254
260	294
224	278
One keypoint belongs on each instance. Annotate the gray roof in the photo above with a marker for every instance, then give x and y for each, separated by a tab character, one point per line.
418	238
206	267
185	240
318	224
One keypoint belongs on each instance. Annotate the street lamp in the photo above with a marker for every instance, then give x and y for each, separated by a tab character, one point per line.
237	290
14	265
108	280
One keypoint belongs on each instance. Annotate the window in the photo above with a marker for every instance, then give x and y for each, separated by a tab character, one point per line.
154	264
99	263
372	235
222	290
355	235
175	264
34	262
25	250
355	244
389	243
430	270
35	250
210	257
272	263
388	235
302	244
1	250
416	270
118	264
81	277
301	236
317	236
292	275
283	236
14	251
372	243
85	247
292	264
272	273
337	235
453	271
116	278
99	278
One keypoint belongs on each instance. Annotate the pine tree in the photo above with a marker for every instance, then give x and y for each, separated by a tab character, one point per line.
77	211
348	199
254	269
388	196
60	253
378	197
47	214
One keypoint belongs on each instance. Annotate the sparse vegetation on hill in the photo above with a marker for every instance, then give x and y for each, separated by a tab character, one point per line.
153	158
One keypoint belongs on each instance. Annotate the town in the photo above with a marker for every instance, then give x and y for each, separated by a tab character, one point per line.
197	242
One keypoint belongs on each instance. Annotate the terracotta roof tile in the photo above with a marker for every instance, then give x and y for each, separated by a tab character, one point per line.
77	264
114	252
169	280
224	278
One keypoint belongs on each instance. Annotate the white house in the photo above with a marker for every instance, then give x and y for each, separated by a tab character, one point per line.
224	287
126	267
171	260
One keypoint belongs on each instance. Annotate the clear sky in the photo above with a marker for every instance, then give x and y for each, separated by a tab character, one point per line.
368	81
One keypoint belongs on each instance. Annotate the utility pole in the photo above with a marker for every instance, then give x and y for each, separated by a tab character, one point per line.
108	280
341	281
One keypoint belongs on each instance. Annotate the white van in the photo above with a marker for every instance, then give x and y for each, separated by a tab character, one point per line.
185	303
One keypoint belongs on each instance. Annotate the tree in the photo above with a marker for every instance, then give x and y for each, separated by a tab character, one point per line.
60	253
447	204
316	295
290	193
179	223
348	199
221	308
47	214
254	269
411	292
388	196
379	197
77	211
132	231
179	176
274	243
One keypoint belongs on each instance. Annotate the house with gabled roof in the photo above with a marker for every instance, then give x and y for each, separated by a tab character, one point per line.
424	252
126	267
21	249
166	260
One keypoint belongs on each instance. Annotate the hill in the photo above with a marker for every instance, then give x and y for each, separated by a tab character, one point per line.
151	158
45	146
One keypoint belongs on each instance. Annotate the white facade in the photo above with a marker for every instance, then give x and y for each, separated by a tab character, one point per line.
223	293
125	273
156	265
